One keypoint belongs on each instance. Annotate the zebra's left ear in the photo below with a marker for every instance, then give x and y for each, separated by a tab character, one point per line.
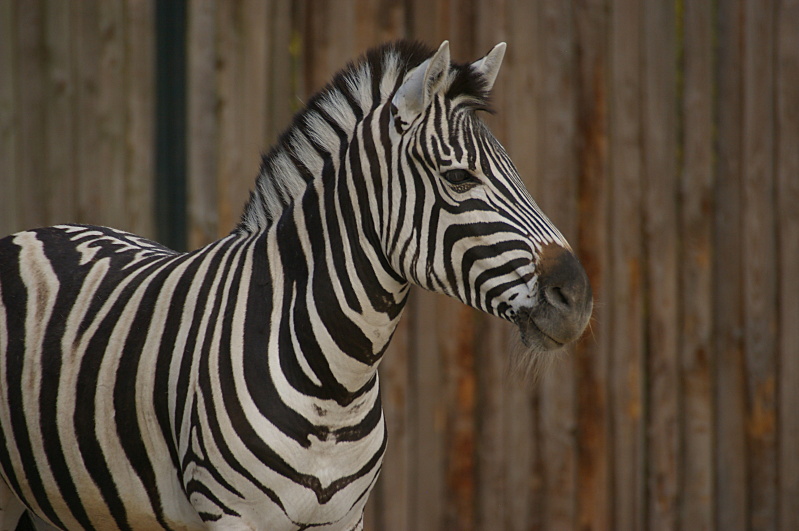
489	65
419	87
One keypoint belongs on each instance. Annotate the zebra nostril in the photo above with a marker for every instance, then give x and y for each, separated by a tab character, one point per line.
556	297
564	283
564	296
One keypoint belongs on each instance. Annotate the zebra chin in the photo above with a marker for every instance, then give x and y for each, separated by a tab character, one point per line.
533	337
536	348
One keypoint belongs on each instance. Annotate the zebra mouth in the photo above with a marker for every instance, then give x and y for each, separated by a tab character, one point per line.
533	336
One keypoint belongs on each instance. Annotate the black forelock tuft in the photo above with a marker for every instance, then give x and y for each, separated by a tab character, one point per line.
468	83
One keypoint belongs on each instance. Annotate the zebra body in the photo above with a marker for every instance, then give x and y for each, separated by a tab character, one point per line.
236	386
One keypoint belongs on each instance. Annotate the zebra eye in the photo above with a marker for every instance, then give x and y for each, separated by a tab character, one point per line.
459	176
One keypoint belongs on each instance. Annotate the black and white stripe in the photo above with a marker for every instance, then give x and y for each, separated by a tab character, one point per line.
236	387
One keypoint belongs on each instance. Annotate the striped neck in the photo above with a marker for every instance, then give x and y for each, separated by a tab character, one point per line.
344	300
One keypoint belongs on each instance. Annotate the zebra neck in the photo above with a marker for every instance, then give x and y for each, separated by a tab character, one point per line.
343	302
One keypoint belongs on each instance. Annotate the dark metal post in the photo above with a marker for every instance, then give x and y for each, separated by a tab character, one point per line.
170	158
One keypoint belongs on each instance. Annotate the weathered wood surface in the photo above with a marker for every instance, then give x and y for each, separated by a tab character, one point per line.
661	137
76	114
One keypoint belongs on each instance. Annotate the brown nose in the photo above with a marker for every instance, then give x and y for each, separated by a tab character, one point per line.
565	298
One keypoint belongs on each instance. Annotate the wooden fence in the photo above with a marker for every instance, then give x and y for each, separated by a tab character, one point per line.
662	137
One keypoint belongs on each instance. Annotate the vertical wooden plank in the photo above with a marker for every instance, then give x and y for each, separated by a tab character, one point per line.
787	172
522	130
510	482
365	23
627	266
328	47
281	74
516	90
30	96
731	449
231	155
425	21
557	197
140	110
696	228
521	450
202	150
596	486
301	29
391	16
459	28
341	45
90	156
111	117
9	115
390	500
492	498
759	259
59	178
660	207
241	75
456	347
313	40
253	20
428	413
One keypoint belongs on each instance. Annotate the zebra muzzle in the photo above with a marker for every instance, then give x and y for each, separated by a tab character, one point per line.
564	302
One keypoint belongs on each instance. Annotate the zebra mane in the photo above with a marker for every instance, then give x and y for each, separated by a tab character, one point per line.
331	116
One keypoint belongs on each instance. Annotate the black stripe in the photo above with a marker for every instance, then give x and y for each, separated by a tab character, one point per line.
88	384
379	298
352	101
328	229
15	295
220	319
128	429
184	373
479	252
171	328
440	112
295	266
71	278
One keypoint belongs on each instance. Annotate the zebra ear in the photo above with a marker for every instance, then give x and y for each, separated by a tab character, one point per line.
419	87
489	65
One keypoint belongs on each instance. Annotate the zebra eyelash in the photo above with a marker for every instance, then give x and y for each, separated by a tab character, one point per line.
460	180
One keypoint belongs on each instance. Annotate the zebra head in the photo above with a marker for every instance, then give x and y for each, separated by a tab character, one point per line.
461	221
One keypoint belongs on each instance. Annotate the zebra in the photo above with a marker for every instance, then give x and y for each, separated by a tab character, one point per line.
236	386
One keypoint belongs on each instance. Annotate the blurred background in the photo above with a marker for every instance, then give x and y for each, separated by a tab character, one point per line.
661	137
